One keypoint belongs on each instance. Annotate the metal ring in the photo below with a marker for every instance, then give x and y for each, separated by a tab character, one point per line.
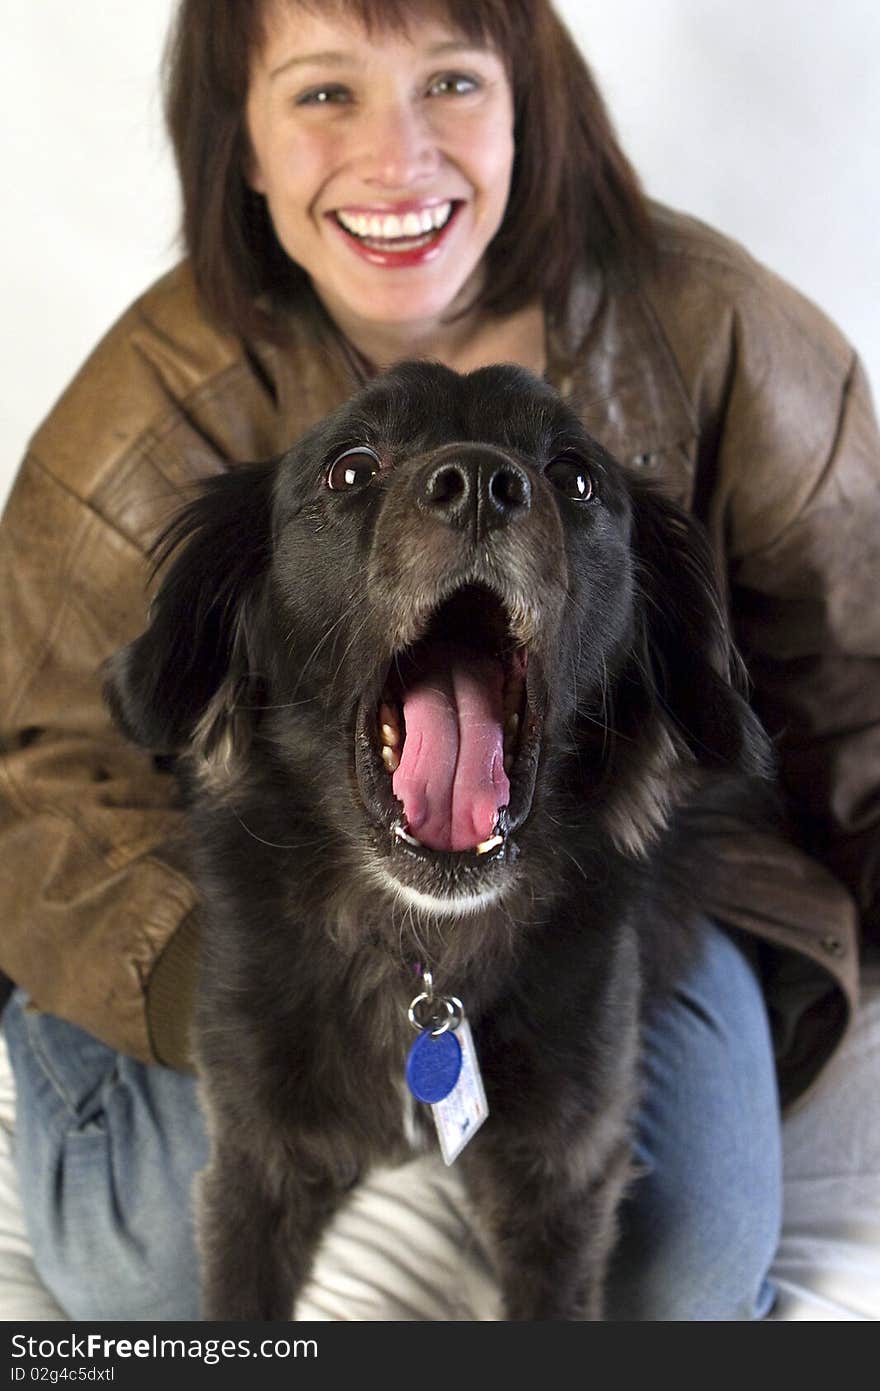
444	1025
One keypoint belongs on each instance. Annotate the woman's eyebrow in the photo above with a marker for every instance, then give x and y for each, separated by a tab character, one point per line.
328	57
335	58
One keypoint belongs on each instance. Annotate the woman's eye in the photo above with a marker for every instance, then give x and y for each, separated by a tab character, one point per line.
452	84
330	95
353	469
570	475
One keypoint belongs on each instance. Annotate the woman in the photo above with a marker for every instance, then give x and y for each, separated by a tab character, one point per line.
365	182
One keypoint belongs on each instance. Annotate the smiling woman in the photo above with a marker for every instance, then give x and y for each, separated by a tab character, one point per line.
386	171
301	116
365	181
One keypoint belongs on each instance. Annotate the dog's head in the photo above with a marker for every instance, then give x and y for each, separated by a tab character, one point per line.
445	617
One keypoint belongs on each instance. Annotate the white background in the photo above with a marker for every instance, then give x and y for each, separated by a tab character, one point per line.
761	116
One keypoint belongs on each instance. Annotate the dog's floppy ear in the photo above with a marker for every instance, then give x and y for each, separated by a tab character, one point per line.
177	684
684	647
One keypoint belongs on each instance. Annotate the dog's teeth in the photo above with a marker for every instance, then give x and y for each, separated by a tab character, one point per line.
508	764
511	728
390	758
489	844
404	835
389	728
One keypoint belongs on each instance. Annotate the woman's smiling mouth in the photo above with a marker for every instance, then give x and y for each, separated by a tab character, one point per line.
410	235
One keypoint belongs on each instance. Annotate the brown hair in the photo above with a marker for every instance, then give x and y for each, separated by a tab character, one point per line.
574	195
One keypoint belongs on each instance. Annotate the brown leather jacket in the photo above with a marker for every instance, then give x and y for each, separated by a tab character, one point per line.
708	372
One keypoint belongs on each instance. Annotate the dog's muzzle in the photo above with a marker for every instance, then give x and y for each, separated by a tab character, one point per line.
447	755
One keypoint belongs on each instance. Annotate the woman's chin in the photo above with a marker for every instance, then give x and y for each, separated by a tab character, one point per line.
408	306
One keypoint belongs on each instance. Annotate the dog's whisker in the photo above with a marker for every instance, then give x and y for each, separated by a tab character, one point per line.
278	705
408	933
312	657
276	845
348	647
605	707
586	405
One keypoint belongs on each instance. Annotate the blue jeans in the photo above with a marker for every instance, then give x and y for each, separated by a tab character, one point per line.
107	1149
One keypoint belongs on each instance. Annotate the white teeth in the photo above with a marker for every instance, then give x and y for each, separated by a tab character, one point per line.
394	227
389	729
489	844
404	835
352	222
390	736
482	849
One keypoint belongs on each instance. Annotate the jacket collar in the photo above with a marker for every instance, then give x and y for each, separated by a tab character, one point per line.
611	359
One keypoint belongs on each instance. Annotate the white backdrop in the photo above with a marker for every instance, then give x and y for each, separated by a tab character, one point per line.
763	117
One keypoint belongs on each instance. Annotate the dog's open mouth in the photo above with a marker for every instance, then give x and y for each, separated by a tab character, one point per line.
447	754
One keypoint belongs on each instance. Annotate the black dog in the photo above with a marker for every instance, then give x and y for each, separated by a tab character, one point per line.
450	697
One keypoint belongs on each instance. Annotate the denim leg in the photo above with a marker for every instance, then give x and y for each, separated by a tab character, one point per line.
106	1151
701	1225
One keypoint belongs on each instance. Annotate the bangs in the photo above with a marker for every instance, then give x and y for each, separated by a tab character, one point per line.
485	23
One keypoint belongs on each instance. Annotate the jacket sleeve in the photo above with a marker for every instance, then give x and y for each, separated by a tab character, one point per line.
799	503
98	914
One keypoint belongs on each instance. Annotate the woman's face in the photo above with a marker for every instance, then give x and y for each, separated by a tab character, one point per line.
385	160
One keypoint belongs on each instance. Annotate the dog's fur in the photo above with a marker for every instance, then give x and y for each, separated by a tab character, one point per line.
287	607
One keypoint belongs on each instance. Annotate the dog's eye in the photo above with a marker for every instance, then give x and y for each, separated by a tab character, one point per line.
352	469
570	475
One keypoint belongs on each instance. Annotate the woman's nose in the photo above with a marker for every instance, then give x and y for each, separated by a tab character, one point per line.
399	147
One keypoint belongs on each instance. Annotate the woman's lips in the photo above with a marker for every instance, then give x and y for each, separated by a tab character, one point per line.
411	235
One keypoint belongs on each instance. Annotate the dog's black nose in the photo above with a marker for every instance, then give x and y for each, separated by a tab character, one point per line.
477	488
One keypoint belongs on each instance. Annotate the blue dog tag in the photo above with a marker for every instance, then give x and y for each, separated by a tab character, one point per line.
433	1066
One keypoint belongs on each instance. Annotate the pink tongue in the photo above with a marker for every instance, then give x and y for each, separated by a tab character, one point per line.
451	776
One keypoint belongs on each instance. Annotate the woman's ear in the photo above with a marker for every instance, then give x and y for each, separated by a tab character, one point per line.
176	686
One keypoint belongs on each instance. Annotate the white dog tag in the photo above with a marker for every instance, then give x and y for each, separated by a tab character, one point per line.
460	1114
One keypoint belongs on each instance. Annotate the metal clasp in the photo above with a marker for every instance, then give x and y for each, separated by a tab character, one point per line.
436	1012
